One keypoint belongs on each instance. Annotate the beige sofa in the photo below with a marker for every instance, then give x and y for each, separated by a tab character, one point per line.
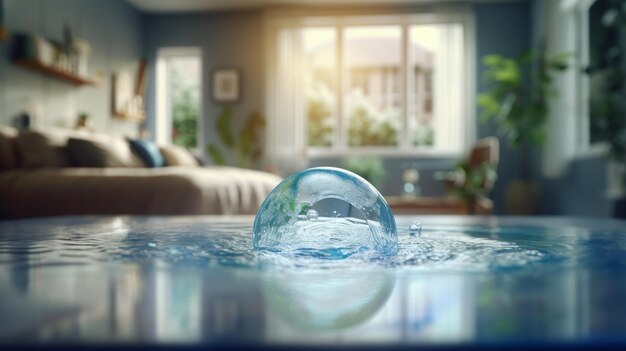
39	178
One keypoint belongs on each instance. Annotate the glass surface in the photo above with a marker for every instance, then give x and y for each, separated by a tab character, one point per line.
373	61
326	213
320	67
465	282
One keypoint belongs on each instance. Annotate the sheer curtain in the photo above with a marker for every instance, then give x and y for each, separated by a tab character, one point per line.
285	142
286	135
450	101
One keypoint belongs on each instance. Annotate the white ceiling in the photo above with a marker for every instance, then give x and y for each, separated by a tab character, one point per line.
180	6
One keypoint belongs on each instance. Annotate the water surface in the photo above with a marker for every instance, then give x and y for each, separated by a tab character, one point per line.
196	280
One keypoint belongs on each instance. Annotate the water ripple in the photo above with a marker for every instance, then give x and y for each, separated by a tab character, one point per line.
228	244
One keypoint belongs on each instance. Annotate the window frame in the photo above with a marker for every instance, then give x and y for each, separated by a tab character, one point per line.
163	122
585	148
340	147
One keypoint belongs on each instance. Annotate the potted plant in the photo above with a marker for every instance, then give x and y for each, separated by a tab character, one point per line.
245	143
517	102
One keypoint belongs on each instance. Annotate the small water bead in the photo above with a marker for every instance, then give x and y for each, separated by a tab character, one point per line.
312	215
415	229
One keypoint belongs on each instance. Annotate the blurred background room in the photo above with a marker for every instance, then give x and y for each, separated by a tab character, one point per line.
500	107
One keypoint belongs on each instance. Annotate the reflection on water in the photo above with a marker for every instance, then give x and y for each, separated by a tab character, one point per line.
316	300
98	280
135	303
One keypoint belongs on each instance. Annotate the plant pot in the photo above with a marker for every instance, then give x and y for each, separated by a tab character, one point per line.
522	198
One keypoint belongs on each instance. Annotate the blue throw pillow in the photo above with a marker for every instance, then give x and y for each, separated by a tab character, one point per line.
148	152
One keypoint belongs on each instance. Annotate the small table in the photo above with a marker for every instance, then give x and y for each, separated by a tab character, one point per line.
401	205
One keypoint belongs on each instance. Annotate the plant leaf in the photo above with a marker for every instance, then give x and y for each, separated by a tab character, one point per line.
216	155
222	124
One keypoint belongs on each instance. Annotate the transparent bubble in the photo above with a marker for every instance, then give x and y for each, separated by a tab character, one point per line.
415	229
350	216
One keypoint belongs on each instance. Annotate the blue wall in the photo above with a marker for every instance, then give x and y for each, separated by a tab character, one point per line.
503	29
114	30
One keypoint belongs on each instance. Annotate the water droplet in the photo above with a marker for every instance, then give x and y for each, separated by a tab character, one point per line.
415	229
152	244
311	215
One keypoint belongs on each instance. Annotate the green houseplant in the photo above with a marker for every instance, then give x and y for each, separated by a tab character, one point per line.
245	143
516	101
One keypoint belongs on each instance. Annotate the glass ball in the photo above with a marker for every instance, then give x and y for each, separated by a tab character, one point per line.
327	213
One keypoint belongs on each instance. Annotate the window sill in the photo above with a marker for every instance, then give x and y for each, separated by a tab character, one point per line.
314	153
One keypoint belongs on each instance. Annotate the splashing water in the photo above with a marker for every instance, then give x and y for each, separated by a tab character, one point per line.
415	229
209	244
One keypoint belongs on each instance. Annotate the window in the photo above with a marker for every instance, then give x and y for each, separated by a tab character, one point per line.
179	72
602	40
382	84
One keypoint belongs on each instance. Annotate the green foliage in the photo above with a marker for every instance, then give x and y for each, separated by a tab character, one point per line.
371	169
367	125
469	182
319	103
424	136
245	145
216	155
185	114
288	206
517	106
222	125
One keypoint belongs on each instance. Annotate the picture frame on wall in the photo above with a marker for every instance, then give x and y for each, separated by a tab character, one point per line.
127	94
226	85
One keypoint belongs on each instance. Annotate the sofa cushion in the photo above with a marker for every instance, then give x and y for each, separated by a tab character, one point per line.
175	155
8	149
101	151
148	152
38	148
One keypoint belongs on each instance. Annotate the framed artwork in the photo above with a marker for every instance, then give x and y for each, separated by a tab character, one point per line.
226	85
127	93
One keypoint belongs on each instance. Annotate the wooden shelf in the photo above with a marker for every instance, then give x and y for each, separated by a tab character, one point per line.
140	116
437	205
53	72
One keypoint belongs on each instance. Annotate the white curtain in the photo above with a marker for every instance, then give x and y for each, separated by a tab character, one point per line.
285	133
450	103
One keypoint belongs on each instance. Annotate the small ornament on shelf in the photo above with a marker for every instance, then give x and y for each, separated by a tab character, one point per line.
410	185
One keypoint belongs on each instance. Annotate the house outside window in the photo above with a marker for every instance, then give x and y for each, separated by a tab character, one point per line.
388	85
